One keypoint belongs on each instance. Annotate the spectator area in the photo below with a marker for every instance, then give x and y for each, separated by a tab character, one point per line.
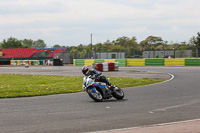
55	52
28	52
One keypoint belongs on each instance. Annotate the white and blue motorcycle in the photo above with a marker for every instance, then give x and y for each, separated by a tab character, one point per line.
99	91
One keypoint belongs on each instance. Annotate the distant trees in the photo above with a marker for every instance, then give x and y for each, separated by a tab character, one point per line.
197	40
132	47
39	44
196	43
152	43
129	45
26	43
122	44
11	43
57	46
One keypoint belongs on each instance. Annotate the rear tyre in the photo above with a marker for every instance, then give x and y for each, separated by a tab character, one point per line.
118	94
95	94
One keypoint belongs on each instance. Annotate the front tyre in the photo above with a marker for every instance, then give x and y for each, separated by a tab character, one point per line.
118	94
95	94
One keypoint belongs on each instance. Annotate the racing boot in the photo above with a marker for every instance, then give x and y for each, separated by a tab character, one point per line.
111	86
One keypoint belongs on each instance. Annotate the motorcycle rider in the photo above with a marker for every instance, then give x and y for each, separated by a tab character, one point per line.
96	74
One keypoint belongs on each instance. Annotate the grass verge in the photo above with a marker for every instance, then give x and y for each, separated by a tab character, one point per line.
15	85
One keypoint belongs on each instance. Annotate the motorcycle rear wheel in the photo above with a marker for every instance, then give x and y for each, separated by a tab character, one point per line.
96	96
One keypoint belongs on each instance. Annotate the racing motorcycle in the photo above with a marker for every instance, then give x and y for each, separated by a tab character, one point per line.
99	91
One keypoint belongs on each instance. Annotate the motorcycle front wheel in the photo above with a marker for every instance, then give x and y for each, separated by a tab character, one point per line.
95	94
118	94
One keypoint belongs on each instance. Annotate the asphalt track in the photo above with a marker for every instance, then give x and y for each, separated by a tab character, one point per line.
176	100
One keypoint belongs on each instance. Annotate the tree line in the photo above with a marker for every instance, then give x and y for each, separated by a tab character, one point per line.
132	47
121	44
26	43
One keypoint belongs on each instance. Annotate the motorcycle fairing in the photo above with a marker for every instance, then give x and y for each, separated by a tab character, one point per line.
102	87
99	85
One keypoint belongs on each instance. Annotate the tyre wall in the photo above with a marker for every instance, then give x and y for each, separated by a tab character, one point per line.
24	62
106	66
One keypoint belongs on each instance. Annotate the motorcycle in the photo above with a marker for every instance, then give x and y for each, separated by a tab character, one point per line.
99	91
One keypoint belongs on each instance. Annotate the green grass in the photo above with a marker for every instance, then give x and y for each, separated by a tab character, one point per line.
12	85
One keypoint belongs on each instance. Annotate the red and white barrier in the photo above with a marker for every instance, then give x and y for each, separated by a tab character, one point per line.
116	66
106	66
99	66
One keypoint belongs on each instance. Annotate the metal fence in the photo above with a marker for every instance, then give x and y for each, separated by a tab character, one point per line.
167	53
67	57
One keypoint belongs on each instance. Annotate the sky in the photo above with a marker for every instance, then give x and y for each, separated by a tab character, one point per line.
71	22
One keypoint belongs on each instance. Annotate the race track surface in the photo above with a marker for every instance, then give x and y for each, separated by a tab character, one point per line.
176	100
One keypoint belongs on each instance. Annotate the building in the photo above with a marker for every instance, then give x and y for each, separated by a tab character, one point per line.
167	53
110	55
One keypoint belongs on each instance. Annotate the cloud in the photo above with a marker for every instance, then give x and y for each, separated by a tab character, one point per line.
70	22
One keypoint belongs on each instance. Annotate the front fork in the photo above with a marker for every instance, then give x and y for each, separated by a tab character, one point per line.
94	90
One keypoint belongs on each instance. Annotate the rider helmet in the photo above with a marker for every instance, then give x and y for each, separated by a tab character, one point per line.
85	70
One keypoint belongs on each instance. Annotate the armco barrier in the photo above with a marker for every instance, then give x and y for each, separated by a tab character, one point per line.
122	62
192	62
174	62
154	62
79	62
109	60
135	62
88	62
140	62
74	62
98	60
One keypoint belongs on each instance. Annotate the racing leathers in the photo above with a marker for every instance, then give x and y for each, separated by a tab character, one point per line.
96	74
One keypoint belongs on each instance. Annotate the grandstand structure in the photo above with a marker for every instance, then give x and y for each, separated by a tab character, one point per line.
6	55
